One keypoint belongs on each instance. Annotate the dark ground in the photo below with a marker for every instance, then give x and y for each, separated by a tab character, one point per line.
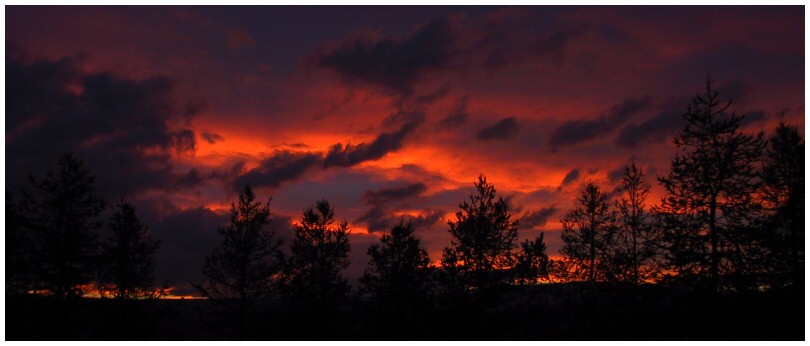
545	312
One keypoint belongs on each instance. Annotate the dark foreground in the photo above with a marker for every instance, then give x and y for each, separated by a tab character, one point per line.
546	312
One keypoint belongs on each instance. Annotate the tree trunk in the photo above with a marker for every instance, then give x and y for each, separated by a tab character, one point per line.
591	274
714	272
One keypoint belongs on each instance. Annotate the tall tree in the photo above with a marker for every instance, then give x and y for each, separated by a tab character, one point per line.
783	174
63	214
243	266
312	274
483	237
398	275
19	249
532	261
709	192
127	259
588	237
638	238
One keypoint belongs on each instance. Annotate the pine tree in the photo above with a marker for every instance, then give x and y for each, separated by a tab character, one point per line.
783	174
312	276
19	249
242	268
397	275
483	237
709	193
62	213
451	277
638	238
127	259
532	261
588	238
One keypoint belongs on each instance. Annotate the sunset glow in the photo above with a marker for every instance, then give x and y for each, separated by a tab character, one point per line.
387	116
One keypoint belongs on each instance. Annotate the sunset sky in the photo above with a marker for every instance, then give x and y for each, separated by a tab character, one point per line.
387	111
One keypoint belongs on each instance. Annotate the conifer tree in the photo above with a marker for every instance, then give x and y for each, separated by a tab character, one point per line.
637	236
532	261
588	238
242	268
19	249
783	174
710	194
63	213
127	259
397	275
312	275
483	237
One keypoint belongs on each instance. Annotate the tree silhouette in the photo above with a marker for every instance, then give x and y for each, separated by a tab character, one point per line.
783	192
19	249
709	192
127	259
483	236
588	237
397	275
532	261
62	212
243	266
451	277
312	274
637	236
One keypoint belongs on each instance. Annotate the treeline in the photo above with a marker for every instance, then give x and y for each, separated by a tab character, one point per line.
732	219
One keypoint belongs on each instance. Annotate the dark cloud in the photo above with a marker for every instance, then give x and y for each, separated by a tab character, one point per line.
656	129
184	140
500	45
457	117
506	128
753	117
537	217
616	174
394	64
281	167
194	107
191	179
378	219
427	218
381	218
571	177
211	137
285	165
434	96
125	130
371	197
349	155
397	64
582	130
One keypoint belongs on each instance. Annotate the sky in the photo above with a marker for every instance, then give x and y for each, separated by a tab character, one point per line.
388	112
